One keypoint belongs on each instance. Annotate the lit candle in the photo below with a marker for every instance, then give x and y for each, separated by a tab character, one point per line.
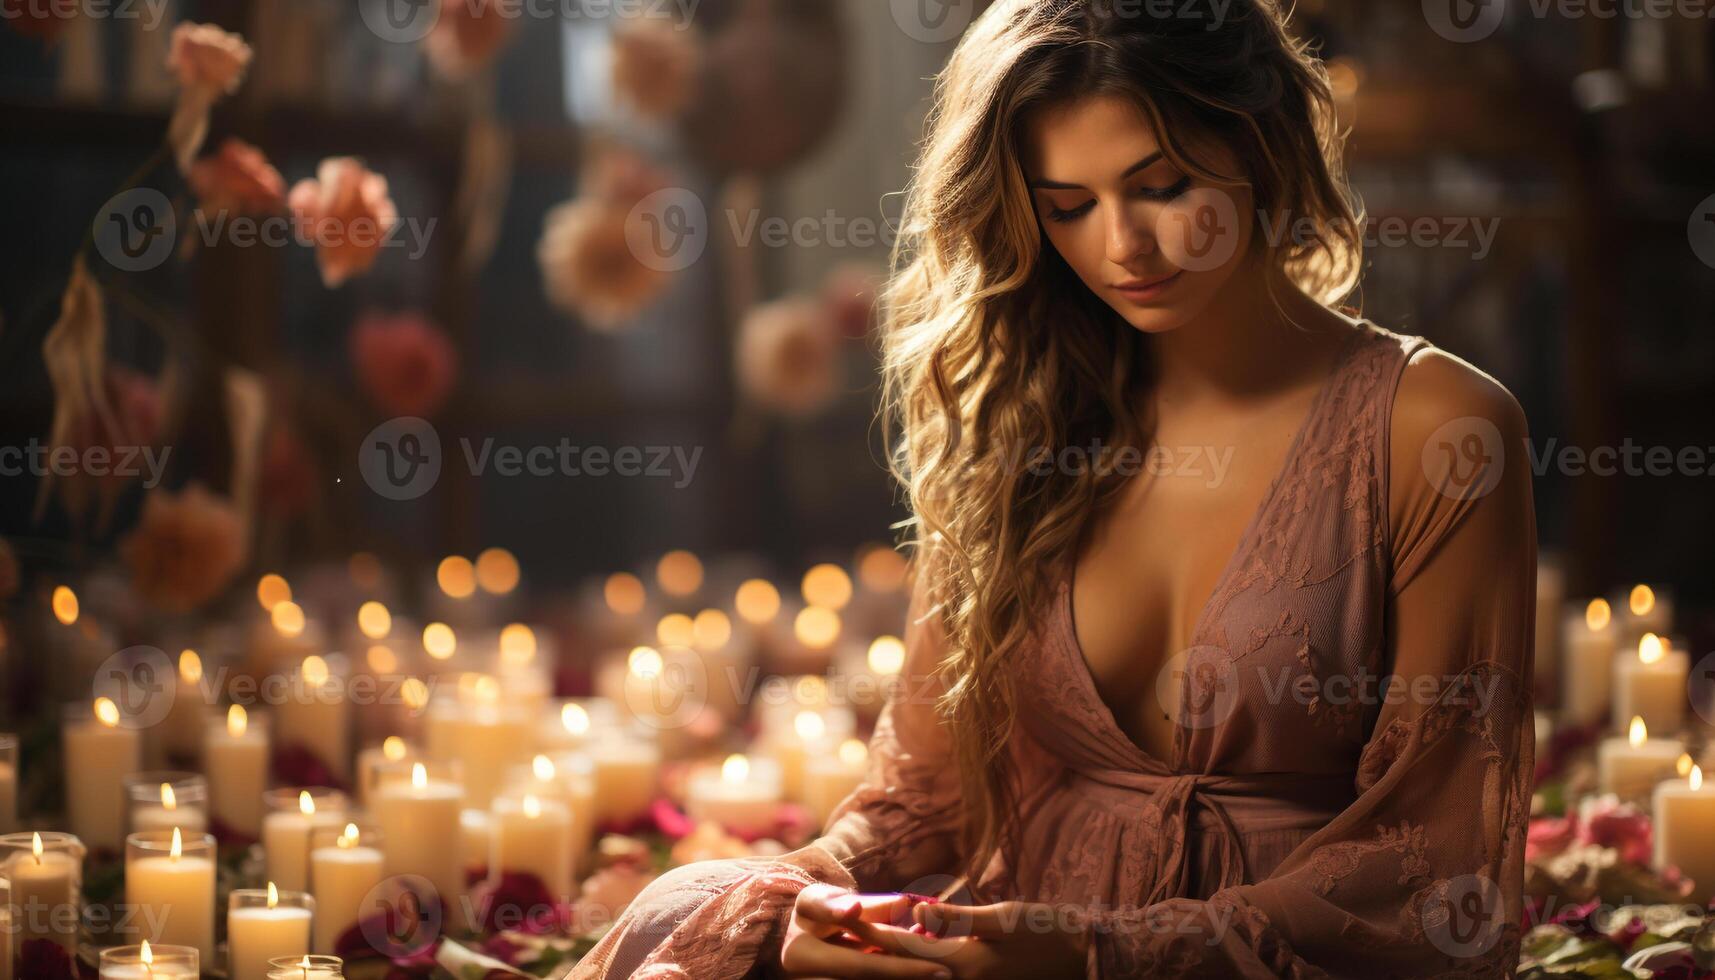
1544	733
1650	682
1646	610
533	836
316	716
148	961
178	737
235	757
474	841
1684	812
492	738
742	795
625	771
830	778
99	754
169	881
419	819
312	967
573	723
262	924
1629	765
46	872
371	762
1589	641
164	800
286	831
8	783
813	732
342	875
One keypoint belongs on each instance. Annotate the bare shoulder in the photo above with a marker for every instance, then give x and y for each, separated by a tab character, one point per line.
1456	434
1438	390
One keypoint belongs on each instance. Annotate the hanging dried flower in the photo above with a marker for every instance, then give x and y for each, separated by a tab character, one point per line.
468	34
655	64
589	267
850	293
404	363
208	63
787	356
346	211
185	549
237	178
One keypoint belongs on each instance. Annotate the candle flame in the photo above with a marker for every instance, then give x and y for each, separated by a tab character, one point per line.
419	776
147	955
676	630
106	712
1638	733
440	641
736	769
178	849
374	620
382	659
623	593
757	601
1598	614
288	618
456	576
1641	601
679	573
810	725
65	605
36	846
273	895
816	627
190	667
711	629
1683	764
853	752
828	586
886	655
517	645
543	767
1696	777
1650	648
271	590
532	807
237	721
315	671
497	571
168	800
306	803
575	718
348	837
881	569
414	693
393	748
645	662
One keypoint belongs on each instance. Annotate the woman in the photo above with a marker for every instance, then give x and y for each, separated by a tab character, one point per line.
1220	647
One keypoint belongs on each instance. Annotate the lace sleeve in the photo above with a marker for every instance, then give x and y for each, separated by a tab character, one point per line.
1423	874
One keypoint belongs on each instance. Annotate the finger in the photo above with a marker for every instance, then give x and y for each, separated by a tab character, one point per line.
830	906
919	944
806	956
983	921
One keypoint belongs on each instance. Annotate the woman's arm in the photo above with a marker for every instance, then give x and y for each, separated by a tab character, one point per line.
1423	873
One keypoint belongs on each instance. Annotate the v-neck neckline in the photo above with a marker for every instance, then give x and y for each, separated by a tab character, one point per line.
1245	542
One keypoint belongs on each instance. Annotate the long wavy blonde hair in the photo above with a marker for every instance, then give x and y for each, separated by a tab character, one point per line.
995	352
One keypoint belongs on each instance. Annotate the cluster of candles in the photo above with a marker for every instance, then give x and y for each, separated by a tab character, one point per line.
1615	660
483	769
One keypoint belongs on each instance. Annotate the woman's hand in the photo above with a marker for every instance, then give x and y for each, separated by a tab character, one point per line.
819	941
1007	940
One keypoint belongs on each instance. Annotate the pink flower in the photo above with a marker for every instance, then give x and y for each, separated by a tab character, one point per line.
655	64
207	59
468	34
238	178
1607	822
346	211
589	267
787	356
405	364
186	548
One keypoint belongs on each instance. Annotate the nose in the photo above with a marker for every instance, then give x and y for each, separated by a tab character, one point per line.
1130	233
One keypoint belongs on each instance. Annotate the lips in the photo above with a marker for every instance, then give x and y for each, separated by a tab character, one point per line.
1137	285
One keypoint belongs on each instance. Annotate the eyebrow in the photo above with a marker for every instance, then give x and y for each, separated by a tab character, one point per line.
1054	185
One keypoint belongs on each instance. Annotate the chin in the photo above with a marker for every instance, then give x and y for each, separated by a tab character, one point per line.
1160	317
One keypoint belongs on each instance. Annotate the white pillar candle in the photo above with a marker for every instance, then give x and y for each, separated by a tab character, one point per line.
1650	682
1550	600
830	778
150	961
235	757
371	761
1588	642
178	737
572	723
492	738
626	771
342	875
1684	812
312	967
8	784
474	839
316	716
742	795
170	884
812	732
99	754
263	924
568	778
419	820
533	836
286	832
46	873
1629	765
1544	733
164	800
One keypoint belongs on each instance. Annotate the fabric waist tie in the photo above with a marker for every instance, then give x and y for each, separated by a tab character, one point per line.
1261	801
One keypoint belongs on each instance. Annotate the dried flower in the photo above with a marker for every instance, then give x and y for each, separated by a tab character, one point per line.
655	63
186	548
237	178
404	363
346	211
468	34
786	356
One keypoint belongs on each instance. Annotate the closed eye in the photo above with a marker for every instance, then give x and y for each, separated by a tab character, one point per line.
1169	193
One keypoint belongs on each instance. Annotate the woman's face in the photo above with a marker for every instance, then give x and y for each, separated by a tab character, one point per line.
1155	243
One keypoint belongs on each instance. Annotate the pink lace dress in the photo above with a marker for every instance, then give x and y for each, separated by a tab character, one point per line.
1313	820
